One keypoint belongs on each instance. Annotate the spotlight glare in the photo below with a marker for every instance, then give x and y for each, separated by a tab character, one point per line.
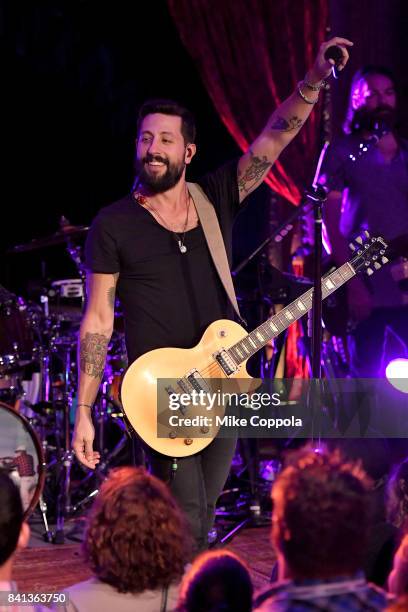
397	374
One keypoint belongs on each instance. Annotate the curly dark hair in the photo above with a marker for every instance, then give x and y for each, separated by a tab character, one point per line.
218	581
137	537
397	496
321	515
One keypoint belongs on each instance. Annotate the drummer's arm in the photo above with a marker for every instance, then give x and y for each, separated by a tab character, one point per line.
94	336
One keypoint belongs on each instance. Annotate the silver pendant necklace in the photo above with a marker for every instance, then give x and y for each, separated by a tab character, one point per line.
141	199
182	246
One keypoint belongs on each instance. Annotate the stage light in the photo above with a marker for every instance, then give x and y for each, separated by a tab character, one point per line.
397	374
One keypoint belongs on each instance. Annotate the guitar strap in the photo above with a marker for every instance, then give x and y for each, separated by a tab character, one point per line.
215	242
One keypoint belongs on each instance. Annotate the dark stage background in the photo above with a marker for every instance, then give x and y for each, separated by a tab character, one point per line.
74	73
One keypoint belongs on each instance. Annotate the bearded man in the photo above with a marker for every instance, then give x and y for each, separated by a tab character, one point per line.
151	249
366	174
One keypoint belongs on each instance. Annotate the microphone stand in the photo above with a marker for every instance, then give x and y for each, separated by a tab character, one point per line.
277	235
314	196
319	197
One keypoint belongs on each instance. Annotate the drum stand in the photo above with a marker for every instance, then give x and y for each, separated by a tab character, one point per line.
64	494
48	537
64	455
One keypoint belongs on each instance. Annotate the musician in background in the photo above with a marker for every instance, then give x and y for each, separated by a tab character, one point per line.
370	193
151	249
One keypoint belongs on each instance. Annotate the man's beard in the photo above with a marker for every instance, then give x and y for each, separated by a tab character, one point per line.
155	183
369	120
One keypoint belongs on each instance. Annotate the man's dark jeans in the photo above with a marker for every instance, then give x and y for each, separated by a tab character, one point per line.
197	483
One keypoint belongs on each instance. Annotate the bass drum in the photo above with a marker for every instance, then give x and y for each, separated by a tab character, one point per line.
21	456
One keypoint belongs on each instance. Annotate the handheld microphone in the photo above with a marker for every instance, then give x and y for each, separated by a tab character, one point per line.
334	53
379	129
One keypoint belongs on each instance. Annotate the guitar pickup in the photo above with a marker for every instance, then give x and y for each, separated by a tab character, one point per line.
197	381
170	391
185	385
226	362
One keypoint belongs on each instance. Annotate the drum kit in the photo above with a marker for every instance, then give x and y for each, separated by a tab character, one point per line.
38	382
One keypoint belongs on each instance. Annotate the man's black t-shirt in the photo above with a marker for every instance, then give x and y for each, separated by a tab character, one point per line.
168	297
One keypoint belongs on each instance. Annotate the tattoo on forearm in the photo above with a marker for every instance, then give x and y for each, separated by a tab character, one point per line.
112	291
253	173
92	354
281	124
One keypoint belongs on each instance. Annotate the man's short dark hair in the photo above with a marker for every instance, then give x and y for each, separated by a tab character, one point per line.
323	503
11	516
170	107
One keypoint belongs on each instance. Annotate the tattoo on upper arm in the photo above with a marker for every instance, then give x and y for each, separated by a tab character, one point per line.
253	172
112	291
92	354
281	124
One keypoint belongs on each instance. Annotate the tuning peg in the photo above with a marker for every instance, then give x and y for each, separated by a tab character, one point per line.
385	260
369	271
366	233
377	265
359	240
352	246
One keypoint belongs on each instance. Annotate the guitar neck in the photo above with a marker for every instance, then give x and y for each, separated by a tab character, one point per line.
276	324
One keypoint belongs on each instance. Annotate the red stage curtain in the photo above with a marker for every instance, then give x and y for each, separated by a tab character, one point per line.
251	54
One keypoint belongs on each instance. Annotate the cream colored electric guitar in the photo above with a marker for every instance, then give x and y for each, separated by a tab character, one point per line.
221	355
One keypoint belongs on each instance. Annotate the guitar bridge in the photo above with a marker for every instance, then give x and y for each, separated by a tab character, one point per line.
226	362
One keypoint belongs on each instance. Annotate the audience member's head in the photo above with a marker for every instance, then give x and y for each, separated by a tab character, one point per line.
397	496
321	516
218	581
14	532
137	537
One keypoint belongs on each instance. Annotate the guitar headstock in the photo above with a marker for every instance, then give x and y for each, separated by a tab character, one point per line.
369	253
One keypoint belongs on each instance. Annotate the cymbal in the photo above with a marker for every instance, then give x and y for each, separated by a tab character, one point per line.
69	231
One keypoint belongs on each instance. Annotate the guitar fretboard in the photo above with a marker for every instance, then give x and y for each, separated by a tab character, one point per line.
276	324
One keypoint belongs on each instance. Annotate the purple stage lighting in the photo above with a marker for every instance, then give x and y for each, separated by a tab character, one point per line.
397	374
